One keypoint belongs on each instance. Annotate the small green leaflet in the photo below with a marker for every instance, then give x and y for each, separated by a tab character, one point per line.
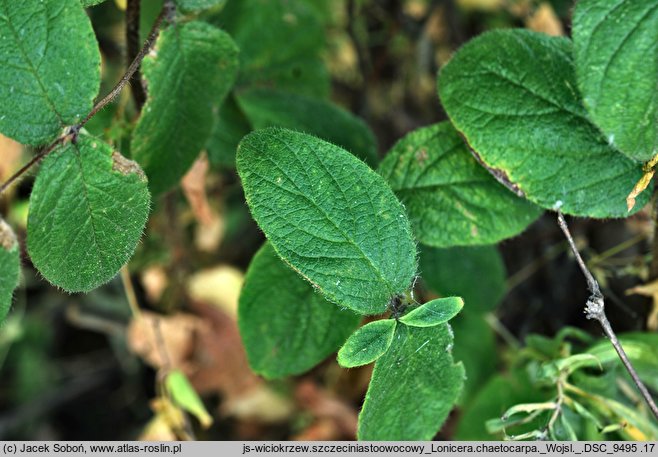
451	200
275	108
186	397
88	210
434	312
328	215
452	271
616	55
195	6
287	327
367	344
50	68
413	387
10	267
513	95
190	71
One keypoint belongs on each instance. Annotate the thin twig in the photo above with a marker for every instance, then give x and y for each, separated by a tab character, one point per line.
73	131
130	292
595	309
133	10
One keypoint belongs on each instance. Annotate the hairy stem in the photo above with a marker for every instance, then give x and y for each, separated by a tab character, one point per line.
73	131
133	10
595	309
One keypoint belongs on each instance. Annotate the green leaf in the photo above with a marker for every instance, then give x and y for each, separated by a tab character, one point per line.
451	200
185	397
616	55
367	344
328	215
513	95
50	68
413	387
230	125
434	312
190	71
280	43
287	327
88	209
272	108
10	267
453	271
88	3
195	6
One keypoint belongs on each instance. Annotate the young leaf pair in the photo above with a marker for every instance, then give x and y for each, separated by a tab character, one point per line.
372	340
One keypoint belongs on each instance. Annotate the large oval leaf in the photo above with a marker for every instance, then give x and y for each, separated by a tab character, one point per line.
512	94
451	200
88	209
189	73
287	327
616	54
413	387
367	344
10	267
329	216
50	68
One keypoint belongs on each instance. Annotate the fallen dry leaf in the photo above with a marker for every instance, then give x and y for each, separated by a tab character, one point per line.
323	405
154	281
219	286
194	188
11	153
545	20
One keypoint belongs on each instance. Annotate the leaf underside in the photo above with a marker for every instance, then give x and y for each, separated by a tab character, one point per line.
451	200
190	71
367	344
616	55
50	68
413	388
513	96
88	210
329	216
286	326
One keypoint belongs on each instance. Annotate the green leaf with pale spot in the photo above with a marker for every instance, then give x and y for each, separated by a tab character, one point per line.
190	71
367	344
185	397
453	271
287	328
413	388
281	44
434	312
275	108
50	68
195	6
88	210
328	215
513	95
616	55
10	267
451	200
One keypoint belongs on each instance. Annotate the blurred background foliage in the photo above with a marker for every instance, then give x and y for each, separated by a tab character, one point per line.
83	367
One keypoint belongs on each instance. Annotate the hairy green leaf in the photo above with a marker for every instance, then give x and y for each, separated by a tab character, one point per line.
329	216
280	44
272	108
194	6
367	344
87	3
413	387
287	327
513	95
434	312
50	68
88	209
190	71
453	271
616	55
184	395
10	267
451	200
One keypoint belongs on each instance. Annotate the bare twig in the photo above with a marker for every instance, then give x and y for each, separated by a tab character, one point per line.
133	10
72	132
595	309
